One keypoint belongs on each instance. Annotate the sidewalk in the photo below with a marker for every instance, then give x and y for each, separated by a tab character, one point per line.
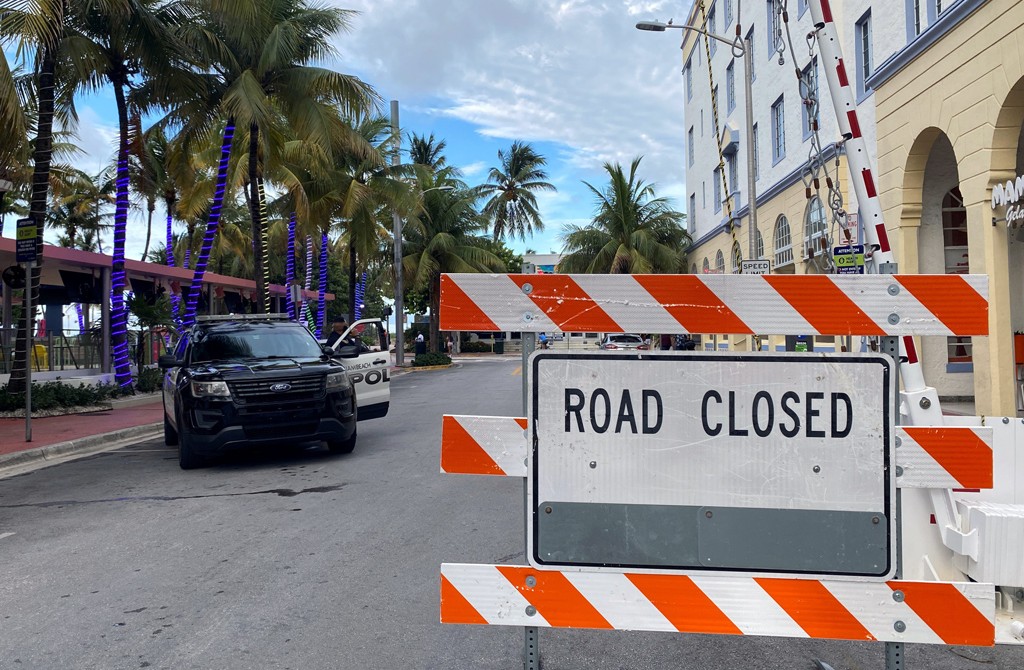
58	435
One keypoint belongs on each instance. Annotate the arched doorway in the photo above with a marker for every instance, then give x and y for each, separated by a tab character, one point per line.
943	249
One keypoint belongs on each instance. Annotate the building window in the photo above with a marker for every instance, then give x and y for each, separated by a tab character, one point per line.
734	178
815	226
863	51
757	161
728	14
737	256
801	7
711	29
778	131
809	91
689	146
759	241
704	195
693	269
915	19
773	26
730	86
706	267
783	243
954	243
715	107
690	217
719	263
938	7
688	76
718	190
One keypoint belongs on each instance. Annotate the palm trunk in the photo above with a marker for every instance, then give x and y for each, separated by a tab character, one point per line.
151	205
307	281
435	309
170	232
118	310
351	279
289	269
37	210
211	226
321	311
256	211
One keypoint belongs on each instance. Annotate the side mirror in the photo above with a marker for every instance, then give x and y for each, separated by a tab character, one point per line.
347	351
326	350
166	362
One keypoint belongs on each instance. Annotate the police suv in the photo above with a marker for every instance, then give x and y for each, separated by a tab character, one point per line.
235	381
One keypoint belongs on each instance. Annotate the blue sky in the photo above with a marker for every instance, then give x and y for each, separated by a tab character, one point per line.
572	77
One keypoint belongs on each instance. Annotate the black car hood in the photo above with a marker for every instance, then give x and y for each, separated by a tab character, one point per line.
233	370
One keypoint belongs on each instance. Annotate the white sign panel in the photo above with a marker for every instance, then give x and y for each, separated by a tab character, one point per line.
757	463
759	267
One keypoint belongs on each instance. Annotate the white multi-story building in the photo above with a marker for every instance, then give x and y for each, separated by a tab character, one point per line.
795	232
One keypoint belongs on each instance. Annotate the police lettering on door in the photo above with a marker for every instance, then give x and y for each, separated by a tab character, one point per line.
733	413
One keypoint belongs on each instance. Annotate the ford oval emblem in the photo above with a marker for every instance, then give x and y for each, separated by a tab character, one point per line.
280	388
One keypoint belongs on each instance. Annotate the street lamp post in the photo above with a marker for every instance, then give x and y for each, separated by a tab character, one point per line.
397	225
743	49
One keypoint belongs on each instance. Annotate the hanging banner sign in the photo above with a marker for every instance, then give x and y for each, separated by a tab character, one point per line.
849	259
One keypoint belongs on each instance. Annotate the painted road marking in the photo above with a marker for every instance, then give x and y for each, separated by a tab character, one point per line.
5	535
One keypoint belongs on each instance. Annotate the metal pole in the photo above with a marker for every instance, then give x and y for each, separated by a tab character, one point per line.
31	351
531	642
105	363
748	85
396	221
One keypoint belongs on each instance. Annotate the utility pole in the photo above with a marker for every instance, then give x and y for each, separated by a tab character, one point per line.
396	221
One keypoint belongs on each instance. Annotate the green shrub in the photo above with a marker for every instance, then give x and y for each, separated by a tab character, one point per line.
149	380
475	347
51	395
429	359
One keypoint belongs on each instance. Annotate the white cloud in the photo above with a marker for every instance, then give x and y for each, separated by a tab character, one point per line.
474	169
571	71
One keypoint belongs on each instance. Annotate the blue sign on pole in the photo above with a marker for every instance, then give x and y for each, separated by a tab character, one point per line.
849	259
25	250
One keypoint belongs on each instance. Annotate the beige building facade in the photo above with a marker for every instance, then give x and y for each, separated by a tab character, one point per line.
950	114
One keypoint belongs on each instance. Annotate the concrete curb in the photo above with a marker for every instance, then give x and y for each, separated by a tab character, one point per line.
79	447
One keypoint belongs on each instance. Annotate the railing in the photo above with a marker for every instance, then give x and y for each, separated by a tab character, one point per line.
64	350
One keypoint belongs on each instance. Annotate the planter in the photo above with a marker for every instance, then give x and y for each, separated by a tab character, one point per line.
1018	349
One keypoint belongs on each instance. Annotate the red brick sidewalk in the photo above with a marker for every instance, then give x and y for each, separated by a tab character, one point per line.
56	429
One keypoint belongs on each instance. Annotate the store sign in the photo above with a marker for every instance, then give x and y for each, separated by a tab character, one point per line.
849	259
1009	195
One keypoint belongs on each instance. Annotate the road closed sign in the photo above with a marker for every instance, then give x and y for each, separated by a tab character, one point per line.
691	462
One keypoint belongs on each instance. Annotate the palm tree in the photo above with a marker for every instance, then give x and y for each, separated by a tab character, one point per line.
444	236
633	231
262	54
512	205
428	151
80	207
115	44
40	29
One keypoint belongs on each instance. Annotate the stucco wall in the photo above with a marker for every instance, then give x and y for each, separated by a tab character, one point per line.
960	86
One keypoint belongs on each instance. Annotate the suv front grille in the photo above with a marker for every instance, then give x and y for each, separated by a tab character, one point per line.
260	392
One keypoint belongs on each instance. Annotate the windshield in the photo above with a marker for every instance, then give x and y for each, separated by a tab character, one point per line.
625	339
248	343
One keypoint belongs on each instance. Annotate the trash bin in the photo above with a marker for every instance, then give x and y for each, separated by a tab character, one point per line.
421	348
499	346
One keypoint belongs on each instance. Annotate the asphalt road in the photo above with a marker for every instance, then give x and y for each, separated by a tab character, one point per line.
295	558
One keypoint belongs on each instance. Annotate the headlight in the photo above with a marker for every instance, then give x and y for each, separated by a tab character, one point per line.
210	390
337	380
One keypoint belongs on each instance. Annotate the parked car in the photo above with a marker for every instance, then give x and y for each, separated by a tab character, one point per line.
237	381
623	341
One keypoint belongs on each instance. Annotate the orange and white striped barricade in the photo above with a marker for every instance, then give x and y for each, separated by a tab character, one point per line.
744	448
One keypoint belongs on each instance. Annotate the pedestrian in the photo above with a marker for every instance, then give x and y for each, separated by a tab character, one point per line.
338	328
543	339
419	336
666	342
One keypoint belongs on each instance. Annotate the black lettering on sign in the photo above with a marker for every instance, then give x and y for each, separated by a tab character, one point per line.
625	413
600	393
836	397
765	429
712	431
788	399
574	402
373	377
650	428
813	412
357	377
733	430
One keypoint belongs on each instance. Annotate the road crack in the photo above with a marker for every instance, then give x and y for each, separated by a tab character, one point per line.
284	493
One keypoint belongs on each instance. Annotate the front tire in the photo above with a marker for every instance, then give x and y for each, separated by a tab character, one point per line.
170	435
342	446
188	459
